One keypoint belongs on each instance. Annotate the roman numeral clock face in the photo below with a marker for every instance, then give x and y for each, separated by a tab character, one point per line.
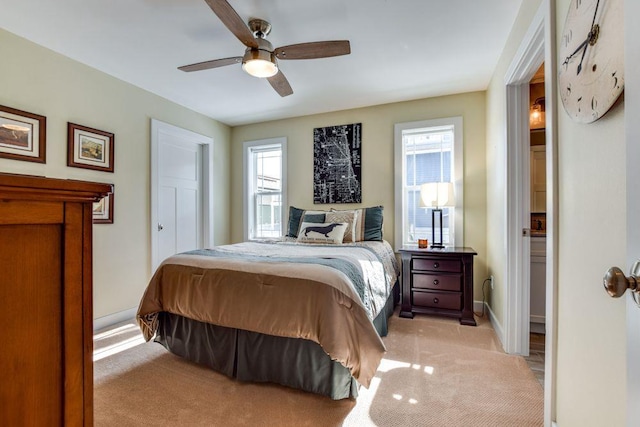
591	58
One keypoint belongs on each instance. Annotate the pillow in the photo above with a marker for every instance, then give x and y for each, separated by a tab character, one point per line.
295	215
347	217
330	232
298	216
368	223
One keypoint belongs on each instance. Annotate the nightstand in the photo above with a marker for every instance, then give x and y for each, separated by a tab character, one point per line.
438	281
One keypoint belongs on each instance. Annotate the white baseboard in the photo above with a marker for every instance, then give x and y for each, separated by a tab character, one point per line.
112	319
496	325
537	319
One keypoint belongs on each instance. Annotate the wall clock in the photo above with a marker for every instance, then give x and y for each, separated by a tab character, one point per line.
591	58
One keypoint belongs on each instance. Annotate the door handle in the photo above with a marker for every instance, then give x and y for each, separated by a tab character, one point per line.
616	283
160	227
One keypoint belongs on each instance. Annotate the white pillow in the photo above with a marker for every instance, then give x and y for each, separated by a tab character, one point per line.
328	232
358	220
347	217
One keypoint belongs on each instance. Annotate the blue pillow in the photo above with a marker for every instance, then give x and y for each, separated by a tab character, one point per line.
372	223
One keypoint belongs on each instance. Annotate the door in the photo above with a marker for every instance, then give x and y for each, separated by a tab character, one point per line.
632	130
179	195
179	199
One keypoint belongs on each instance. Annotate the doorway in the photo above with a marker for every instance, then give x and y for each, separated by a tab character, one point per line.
537	47
538	229
181	191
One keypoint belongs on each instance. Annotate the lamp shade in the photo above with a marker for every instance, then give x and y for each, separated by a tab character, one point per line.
436	195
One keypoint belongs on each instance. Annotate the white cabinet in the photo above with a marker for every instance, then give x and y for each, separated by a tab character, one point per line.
538	283
538	179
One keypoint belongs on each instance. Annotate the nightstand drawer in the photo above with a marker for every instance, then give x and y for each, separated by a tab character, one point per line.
445	300
438	282
436	264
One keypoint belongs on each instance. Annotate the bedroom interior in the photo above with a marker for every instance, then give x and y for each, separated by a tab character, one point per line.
81	83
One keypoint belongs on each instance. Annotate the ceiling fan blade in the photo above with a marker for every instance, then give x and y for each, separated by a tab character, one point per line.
314	50
233	22
280	83
215	63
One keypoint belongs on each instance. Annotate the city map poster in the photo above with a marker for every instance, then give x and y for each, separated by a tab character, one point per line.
337	164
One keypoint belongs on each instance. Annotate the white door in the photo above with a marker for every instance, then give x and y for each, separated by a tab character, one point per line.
179	172
632	112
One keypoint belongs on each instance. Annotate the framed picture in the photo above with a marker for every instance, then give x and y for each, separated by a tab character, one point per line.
103	210
337	164
89	148
23	135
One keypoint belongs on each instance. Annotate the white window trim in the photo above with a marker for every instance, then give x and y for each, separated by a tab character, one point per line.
457	174
246	205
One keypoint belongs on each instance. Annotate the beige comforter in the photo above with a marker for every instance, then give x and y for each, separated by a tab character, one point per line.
287	299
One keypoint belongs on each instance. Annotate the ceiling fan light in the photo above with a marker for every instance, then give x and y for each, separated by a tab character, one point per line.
259	63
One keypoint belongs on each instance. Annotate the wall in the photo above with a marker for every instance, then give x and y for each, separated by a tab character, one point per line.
591	347
40	81
377	160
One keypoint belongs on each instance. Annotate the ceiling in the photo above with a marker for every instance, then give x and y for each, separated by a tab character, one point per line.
400	49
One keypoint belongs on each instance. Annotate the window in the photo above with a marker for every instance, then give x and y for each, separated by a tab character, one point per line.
265	188
427	151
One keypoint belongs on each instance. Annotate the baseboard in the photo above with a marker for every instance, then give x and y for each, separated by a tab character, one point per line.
537	319
496	325
112	319
537	328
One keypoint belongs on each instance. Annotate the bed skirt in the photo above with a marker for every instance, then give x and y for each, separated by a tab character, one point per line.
255	357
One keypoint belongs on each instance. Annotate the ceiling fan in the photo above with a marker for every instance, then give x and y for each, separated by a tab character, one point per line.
259	58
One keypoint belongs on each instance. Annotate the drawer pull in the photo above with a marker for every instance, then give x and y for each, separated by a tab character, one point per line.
436	300
436	282
436	265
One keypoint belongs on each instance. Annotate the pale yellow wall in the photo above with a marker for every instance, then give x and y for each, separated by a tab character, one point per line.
592	238
377	161
591	326
40	81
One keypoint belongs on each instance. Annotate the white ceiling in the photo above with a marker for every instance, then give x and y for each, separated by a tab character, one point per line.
400	49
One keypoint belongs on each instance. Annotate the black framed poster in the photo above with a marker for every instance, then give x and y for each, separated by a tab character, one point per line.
337	164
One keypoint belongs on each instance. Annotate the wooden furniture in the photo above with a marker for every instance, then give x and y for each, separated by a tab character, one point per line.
46	319
438	281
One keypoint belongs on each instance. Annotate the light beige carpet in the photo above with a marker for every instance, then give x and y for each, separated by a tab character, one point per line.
435	373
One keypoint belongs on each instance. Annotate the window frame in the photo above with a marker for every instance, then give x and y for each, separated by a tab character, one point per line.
457	176
249	196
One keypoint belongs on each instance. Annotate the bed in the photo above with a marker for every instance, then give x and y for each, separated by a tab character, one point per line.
307	316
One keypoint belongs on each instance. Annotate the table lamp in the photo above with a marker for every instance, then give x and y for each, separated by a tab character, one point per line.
436	195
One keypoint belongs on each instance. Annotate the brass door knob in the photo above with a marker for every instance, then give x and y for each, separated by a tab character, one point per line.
616	283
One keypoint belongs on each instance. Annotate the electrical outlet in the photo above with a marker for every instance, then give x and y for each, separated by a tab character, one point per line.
491	280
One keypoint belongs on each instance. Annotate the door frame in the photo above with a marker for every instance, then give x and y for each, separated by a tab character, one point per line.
537	46
158	127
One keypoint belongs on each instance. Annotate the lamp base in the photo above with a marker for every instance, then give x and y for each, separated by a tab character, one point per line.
436	213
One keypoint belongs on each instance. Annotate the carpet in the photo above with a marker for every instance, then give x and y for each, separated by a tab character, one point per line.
435	373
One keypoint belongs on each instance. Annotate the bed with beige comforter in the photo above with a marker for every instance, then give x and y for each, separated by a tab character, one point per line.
328	295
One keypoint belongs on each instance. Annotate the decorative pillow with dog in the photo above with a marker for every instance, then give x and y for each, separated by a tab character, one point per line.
327	233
